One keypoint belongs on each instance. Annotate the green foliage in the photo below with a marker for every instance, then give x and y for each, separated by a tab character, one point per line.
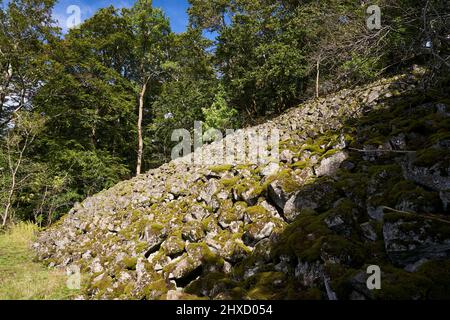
150	29
261	58
190	88
26	28
362	67
18	169
268	51
220	115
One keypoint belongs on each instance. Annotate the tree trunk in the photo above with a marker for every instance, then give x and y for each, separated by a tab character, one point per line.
318	78
140	118
4	87
94	130
8	203
14	169
11	193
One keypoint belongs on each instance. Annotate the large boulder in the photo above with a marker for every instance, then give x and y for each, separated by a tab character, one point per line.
410	238
320	195
330	165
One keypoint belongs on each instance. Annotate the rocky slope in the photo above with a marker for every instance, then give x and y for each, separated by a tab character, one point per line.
363	179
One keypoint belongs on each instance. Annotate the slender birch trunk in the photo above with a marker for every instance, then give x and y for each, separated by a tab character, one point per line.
139	125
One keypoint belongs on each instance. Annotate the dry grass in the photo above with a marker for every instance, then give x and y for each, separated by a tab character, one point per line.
20	277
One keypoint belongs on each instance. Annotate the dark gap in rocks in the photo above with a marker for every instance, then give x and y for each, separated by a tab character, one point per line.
175	255
210	176
177	196
153	249
249	240
190	277
221	227
273	204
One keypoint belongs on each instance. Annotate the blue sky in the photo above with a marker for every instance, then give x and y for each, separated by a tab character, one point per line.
174	9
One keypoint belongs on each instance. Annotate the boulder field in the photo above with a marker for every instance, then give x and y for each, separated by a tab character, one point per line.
363	178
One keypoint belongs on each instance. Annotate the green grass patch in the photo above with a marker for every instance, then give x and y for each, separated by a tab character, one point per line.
23	279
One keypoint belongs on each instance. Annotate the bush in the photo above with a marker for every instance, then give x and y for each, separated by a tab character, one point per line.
220	115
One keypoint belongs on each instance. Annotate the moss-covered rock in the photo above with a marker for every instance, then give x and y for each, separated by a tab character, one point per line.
410	237
193	231
173	246
319	195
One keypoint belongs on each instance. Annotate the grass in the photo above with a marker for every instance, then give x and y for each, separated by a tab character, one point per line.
23	279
